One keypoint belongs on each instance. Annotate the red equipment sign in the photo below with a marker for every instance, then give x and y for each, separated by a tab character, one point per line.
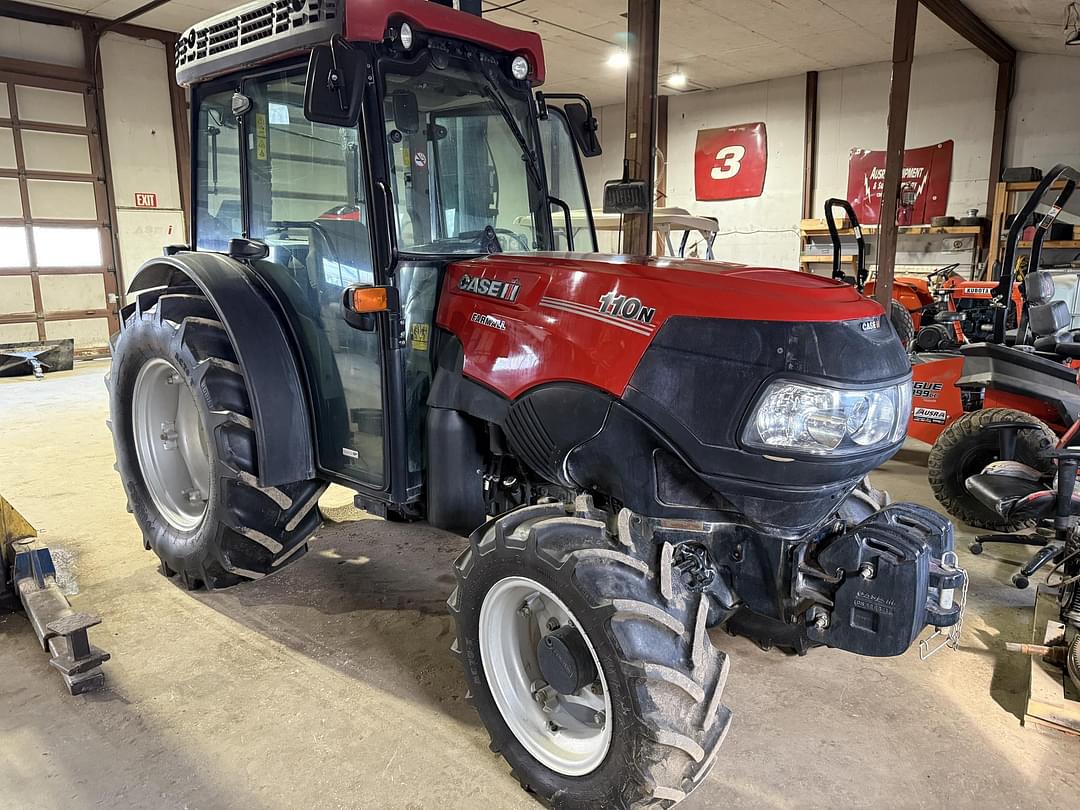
924	184
730	163
145	199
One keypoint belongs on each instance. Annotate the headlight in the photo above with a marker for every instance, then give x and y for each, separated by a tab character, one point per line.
807	418
405	36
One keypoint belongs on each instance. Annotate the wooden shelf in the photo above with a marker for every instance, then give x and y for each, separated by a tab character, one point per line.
1053	244
906	230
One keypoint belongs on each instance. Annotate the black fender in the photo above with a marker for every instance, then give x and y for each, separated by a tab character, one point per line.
264	348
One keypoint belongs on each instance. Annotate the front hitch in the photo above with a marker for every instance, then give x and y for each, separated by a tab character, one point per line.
878	585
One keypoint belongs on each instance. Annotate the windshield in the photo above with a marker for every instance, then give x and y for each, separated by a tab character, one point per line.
463	158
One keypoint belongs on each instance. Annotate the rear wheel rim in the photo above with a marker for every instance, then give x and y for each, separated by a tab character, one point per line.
171	445
569	734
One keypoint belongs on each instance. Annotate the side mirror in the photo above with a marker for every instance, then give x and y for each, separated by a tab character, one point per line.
335	84
406	111
583	126
626	196
579	117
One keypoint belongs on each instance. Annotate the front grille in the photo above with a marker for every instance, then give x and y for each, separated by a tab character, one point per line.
251	33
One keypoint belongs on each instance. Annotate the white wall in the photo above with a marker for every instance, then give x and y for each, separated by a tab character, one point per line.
952	97
142	148
761	230
1044	118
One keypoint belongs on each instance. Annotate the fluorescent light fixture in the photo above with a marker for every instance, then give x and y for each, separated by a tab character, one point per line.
619	59
677	80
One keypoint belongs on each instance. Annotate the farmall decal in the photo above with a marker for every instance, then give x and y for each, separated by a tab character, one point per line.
490	287
924	184
730	163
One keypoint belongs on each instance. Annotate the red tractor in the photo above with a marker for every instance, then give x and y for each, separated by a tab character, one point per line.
381	292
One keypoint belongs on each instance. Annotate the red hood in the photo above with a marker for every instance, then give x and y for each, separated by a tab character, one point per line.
688	287
526	320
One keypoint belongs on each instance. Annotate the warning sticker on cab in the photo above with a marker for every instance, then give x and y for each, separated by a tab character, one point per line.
420	334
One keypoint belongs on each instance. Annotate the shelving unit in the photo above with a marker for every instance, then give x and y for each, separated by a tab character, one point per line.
1007	200
919	248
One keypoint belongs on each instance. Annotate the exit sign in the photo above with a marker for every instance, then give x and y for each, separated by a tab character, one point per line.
144	199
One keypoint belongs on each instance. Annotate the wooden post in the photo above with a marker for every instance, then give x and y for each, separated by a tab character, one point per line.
643	49
662	152
1001	122
907	12
810	144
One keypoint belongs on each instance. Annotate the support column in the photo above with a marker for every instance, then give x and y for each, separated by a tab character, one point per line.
907	12
810	143
1001	123
643	49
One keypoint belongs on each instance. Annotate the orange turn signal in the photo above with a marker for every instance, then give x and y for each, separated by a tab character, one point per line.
369	299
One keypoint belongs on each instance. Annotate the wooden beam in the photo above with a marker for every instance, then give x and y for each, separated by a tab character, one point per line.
810	145
1006	72
907	13
967	24
51	16
662	152
643	49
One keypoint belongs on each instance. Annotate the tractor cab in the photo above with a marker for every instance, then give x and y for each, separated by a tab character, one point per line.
372	158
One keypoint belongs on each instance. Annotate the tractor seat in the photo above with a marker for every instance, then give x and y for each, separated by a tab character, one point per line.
1009	495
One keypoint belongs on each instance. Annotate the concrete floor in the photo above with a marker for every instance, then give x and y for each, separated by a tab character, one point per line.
330	685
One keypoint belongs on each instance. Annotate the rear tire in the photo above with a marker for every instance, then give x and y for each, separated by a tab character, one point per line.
967	446
244	531
903	323
657	665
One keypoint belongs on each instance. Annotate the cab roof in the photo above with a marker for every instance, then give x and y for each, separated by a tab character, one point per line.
266	30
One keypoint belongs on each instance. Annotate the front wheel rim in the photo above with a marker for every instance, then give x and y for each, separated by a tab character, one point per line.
570	734
171	445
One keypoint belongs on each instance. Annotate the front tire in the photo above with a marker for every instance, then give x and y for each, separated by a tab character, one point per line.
658	677
967	446
903	323
183	432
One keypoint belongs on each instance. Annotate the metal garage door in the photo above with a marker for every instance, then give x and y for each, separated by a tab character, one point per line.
57	271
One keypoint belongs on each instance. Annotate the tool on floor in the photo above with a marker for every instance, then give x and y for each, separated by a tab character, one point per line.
36	357
28	578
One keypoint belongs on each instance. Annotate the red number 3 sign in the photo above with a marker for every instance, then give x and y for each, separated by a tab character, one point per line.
730	163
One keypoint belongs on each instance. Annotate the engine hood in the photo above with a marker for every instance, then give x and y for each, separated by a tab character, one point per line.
683	286
526	320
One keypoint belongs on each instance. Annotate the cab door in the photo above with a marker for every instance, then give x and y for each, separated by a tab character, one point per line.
306	196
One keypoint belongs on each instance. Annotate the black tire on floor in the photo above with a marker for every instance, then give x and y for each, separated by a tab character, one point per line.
902	322
665	678
967	446
247	531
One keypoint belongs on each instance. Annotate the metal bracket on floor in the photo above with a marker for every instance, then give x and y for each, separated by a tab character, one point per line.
28	578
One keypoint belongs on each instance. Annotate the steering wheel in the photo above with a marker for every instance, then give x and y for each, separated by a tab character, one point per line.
478	236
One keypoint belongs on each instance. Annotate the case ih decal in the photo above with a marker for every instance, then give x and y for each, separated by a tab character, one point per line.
490	287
